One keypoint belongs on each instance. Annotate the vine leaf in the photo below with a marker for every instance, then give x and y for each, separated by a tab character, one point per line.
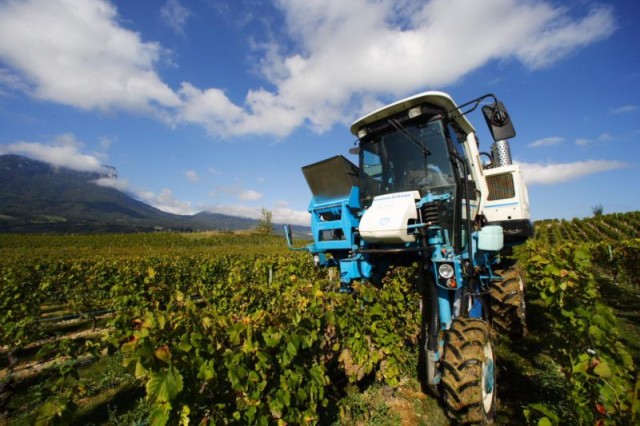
163	354
603	370
164	386
159	415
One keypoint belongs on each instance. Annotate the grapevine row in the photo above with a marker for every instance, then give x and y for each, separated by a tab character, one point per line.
246	339
604	228
583	336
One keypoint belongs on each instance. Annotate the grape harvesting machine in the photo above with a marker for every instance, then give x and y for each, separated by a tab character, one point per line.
423	192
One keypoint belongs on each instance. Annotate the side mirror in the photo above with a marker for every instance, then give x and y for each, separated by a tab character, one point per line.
499	121
288	235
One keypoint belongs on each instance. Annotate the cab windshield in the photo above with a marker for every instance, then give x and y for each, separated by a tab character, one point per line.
406	159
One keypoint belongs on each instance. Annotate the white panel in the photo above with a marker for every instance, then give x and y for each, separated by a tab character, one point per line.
387	218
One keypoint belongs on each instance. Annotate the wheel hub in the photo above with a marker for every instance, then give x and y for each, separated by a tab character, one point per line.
488	378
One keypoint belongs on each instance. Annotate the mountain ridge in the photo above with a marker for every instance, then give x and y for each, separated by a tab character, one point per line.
37	197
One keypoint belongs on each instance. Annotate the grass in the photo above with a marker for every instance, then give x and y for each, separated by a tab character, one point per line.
375	403
382	405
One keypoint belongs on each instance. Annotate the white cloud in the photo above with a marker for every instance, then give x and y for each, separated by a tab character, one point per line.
625	109
11	81
166	202
175	15
553	140
332	60
63	151
75	52
349	53
237	192
249	195
604	137
120	185
551	173
192	175
561	36
105	143
210	108
281	214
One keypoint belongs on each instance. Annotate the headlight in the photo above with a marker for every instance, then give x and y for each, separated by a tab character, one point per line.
446	271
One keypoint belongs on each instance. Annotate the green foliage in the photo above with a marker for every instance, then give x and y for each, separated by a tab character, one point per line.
265	226
138	415
369	409
597	210
609	228
621	260
583	334
64	387
211	336
19	305
254	351
228	329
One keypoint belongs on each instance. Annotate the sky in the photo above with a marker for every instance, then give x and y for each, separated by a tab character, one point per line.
215	105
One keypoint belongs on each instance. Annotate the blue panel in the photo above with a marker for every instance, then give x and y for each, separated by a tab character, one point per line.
354	268
445	308
476	309
344	212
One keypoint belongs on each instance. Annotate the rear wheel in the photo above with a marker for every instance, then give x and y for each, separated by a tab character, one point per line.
469	373
508	307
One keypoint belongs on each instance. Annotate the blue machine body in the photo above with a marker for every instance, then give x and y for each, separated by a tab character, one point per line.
334	227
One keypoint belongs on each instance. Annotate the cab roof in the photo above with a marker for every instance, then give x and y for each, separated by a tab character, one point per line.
439	99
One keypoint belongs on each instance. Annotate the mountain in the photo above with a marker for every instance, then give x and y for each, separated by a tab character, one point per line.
36	197
206	220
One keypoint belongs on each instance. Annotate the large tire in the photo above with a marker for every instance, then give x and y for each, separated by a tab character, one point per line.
469	373
507	303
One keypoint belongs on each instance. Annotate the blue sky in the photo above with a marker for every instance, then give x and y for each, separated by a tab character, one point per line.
216	105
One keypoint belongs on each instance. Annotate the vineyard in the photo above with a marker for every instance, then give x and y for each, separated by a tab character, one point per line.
603	228
227	329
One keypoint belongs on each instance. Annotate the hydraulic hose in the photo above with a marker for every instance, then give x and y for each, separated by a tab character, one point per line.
434	317
430	292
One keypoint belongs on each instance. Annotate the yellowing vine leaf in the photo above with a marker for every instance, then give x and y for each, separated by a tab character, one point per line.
164	386
603	370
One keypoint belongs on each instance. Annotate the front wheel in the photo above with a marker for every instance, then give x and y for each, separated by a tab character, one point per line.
469	372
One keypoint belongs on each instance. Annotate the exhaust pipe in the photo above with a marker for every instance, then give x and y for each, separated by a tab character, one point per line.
501	153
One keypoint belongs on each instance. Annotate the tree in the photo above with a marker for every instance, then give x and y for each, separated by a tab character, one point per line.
597	210
264	223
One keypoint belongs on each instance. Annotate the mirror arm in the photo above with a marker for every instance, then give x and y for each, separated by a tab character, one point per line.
475	103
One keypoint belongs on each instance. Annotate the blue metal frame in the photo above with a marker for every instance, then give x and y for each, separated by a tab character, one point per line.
346	210
345	213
